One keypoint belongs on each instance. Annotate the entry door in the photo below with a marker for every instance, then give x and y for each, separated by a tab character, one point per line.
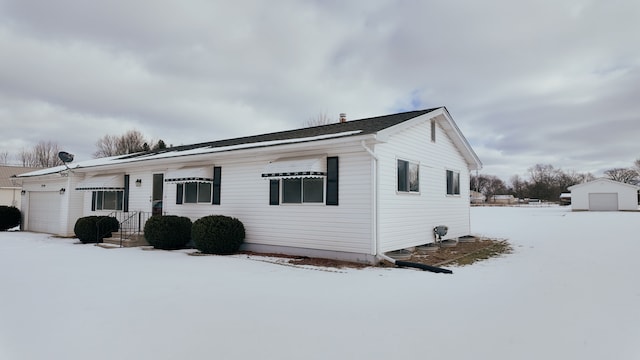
158	184
603	201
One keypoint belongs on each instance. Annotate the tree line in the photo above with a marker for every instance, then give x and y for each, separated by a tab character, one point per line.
545	182
45	153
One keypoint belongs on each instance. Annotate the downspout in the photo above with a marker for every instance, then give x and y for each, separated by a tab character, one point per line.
376	227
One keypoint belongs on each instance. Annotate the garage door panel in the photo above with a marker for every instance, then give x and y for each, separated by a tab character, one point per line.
603	201
44	211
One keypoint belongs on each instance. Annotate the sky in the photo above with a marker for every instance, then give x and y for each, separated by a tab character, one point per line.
527	82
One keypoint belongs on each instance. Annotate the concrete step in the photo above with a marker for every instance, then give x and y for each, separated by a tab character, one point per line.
130	241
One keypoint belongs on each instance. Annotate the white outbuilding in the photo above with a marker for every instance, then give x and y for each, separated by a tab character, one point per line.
604	195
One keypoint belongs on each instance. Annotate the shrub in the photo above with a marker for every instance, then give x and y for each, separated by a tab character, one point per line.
86	228
217	234
168	232
9	217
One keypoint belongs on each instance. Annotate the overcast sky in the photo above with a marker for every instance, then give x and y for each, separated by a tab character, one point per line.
528	82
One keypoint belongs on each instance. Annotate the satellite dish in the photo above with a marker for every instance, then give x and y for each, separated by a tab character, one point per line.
65	157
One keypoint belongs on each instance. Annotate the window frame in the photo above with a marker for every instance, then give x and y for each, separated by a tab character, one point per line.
452	182
99	200
189	186
404	183
321	187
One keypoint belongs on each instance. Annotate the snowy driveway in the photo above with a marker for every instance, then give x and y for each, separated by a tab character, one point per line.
569	291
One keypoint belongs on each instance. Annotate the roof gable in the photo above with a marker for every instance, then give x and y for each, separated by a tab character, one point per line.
603	180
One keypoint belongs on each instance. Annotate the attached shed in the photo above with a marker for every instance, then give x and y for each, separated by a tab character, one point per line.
604	195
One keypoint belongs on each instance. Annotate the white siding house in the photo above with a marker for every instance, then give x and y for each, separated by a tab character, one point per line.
604	195
351	190
10	191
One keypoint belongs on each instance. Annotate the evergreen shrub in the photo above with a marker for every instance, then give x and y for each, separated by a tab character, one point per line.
9	217
218	234
86	228
168	232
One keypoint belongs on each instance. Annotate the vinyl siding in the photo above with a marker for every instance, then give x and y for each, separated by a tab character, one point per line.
245	195
408	219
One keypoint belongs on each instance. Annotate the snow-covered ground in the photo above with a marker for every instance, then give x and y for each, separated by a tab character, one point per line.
569	291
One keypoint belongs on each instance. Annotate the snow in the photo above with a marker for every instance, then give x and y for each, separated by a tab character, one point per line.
567	292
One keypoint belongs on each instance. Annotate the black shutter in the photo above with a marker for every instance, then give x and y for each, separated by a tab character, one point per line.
179	193
125	196
274	192
217	172
93	201
332	180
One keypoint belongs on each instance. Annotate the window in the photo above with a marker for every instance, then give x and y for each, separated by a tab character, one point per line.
302	190
408	176
197	192
433	130
107	200
453	182
196	186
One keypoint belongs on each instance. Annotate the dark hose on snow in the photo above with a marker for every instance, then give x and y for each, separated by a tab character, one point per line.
434	269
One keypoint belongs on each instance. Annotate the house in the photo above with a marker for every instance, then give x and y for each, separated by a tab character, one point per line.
477	197
565	199
9	189
351	190
604	195
503	199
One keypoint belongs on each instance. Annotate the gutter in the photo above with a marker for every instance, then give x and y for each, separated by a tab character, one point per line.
376	227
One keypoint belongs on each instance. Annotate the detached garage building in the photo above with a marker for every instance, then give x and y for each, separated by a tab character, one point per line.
604	195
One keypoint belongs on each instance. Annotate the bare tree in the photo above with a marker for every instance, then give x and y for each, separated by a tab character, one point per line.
130	142
320	119
625	175
4	157
43	154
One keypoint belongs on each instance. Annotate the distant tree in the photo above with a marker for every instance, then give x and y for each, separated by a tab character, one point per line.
488	185
320	119
43	154
518	187
160	145
111	145
4	157
625	175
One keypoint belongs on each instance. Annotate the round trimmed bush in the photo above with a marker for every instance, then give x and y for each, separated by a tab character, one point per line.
9	217
218	234
168	232
86	228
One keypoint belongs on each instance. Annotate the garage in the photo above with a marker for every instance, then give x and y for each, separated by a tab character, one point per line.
44	211
603	201
604	195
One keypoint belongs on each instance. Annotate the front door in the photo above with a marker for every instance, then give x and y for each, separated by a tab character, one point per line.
156	201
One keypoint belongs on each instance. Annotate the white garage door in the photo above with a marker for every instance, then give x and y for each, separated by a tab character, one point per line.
44	212
603	201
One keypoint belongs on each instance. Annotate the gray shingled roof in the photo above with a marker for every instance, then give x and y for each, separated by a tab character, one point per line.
6	172
365	126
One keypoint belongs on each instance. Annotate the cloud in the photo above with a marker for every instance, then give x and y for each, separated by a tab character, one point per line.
528	82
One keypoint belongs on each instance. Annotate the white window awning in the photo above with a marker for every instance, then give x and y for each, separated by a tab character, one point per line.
189	174
296	168
102	182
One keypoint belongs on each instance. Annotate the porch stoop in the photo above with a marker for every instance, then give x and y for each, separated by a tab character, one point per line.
129	240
